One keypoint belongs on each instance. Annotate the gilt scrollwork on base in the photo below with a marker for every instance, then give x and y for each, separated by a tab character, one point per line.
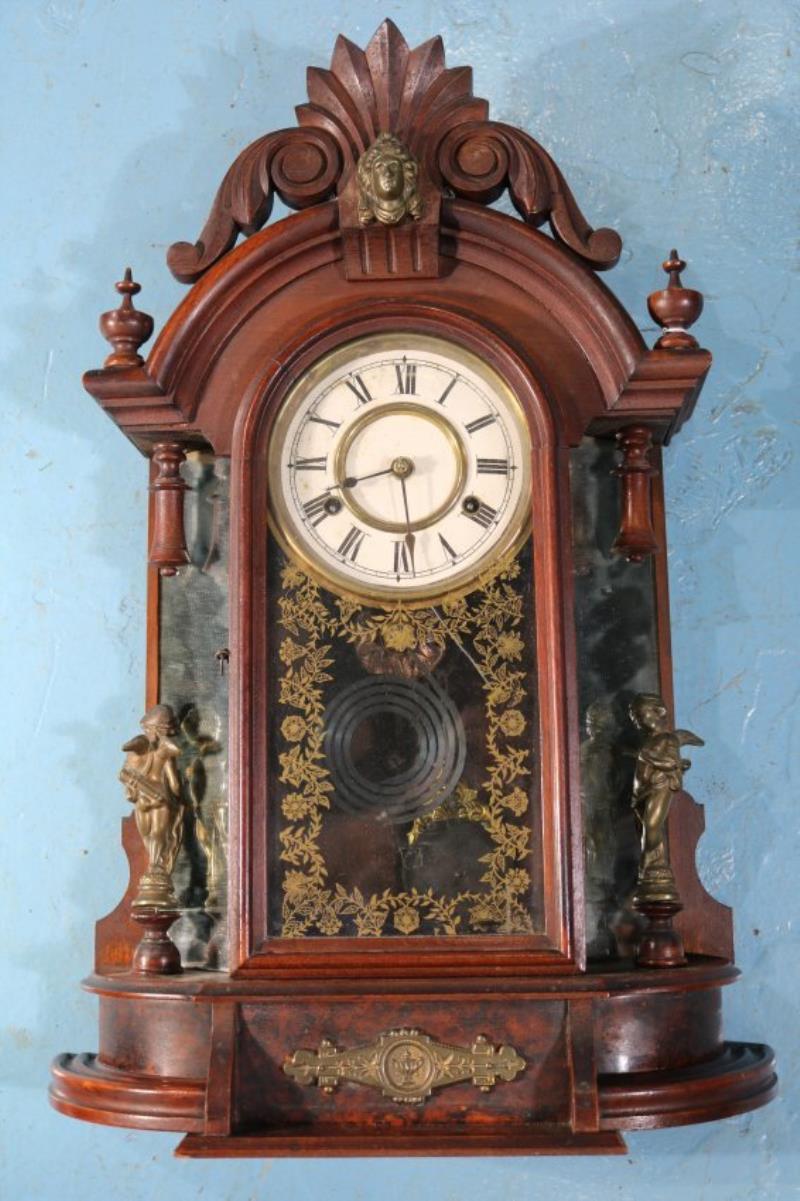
406	1065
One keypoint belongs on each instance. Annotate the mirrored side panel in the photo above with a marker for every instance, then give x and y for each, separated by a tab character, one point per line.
193	619
617	657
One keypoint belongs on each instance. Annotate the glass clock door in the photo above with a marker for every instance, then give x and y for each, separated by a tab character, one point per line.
403	719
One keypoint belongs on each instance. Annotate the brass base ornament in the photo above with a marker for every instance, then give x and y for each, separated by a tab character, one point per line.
658	776
154	786
156	953
406	1065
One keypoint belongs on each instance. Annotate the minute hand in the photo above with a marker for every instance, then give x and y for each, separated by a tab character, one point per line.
410	540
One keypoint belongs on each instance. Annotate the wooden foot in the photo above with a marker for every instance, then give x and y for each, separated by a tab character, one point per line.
156	954
660	945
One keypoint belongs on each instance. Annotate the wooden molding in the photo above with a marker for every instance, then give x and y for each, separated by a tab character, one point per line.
602	379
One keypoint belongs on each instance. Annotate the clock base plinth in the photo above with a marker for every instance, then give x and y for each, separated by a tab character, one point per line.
203	1054
332	1143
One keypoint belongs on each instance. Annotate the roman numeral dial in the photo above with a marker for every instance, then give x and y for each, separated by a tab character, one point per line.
399	469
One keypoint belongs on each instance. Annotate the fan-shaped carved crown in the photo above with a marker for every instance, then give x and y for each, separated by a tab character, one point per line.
389	88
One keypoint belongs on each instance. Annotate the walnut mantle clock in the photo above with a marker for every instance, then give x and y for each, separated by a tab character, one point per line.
412	869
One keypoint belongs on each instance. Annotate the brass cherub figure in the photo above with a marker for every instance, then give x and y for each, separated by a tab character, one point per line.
154	786
658	776
387	183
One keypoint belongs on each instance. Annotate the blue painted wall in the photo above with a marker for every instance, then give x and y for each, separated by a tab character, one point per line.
674	122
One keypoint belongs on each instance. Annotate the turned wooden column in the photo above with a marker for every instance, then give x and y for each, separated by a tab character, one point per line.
636	538
168	540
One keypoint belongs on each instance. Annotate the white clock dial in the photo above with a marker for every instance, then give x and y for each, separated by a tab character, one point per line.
399	468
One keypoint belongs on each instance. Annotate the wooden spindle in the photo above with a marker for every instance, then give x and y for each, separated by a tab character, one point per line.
168	545
636	539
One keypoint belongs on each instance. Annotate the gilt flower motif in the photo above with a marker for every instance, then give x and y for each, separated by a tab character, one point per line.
510	646
294	806
406	919
499	693
516	880
329	923
399	635
289	651
516	801
292	577
293	727
295	884
512	722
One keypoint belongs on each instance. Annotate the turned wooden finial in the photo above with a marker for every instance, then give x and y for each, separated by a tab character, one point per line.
675	308
126	328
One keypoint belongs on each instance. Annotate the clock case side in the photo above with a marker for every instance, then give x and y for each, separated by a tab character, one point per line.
240	331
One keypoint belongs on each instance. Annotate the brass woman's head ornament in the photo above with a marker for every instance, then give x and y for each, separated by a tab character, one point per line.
387	183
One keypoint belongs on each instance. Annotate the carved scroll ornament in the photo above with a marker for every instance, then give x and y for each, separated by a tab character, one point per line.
406	1065
389	88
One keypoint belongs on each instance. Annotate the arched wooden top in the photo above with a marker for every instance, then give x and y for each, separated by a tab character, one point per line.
285	289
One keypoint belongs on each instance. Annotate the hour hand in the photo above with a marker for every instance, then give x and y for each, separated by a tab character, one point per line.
350	481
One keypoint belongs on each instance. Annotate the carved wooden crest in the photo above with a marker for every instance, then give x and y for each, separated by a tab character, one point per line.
429	108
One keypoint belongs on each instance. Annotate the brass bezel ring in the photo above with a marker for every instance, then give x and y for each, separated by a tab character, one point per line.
388	596
369	418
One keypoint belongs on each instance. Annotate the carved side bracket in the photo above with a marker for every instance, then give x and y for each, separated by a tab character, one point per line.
302	165
390	88
406	1065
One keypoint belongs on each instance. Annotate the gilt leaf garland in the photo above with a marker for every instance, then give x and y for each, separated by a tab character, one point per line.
486	627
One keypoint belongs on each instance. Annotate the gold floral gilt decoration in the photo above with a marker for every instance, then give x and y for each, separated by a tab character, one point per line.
485	625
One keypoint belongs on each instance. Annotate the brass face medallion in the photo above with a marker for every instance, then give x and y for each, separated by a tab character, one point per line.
399	469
